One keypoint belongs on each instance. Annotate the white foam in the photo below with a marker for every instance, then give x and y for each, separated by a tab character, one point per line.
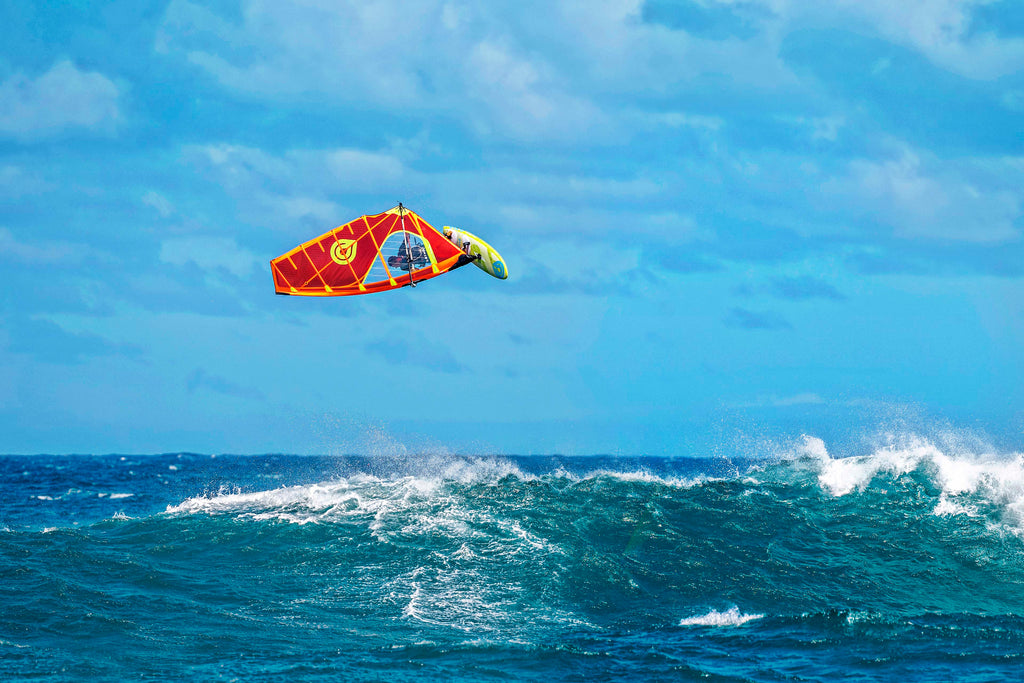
856	617
297	504
841	476
812	447
947	508
475	470
410	610
464	553
968	474
730	617
467	599
8	643
454	589
358	494
388	508
458	600
117	496
954	472
646	477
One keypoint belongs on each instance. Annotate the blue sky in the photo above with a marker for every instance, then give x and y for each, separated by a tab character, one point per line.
725	222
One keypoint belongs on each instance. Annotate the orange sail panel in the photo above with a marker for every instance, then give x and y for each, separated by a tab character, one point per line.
369	254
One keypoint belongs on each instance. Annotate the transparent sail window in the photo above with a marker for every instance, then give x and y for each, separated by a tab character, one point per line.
402	252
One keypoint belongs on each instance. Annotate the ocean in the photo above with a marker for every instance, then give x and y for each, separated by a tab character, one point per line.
905	561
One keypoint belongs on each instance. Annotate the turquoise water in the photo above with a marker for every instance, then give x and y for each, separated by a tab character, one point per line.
906	561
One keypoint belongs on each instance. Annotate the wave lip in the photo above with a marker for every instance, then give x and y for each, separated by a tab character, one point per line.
962	476
299	504
730	617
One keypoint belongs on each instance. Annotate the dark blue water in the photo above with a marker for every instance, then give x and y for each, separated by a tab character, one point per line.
906	562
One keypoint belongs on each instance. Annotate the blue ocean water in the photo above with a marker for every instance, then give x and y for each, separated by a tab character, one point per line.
906	561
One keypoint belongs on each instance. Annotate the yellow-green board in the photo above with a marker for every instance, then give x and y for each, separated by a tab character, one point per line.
490	261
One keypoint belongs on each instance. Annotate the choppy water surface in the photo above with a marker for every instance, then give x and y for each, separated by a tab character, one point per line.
907	561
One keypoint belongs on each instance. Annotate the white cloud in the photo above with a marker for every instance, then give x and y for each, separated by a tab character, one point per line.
556	74
676	119
521	97
298	185
931	198
820	127
356	51
160	203
356	169
616	52
296	190
237	166
941	30
16	182
299	209
509	185
208	253
324	170
40	253
63	98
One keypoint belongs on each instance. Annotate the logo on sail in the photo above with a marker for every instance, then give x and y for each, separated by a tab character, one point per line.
343	252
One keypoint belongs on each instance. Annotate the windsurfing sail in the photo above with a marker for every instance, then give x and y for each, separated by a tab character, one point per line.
375	253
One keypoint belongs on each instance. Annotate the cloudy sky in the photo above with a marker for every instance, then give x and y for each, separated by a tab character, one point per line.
724	220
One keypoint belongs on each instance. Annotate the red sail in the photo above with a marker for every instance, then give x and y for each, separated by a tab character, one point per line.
369	254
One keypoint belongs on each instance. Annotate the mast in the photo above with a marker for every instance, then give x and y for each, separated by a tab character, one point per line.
408	247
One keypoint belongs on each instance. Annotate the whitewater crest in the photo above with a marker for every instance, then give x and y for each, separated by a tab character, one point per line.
304	504
356	494
964	475
444	507
730	617
431	480
643	477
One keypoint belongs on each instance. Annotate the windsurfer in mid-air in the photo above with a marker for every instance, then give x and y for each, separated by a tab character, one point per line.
464	246
402	258
378	253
